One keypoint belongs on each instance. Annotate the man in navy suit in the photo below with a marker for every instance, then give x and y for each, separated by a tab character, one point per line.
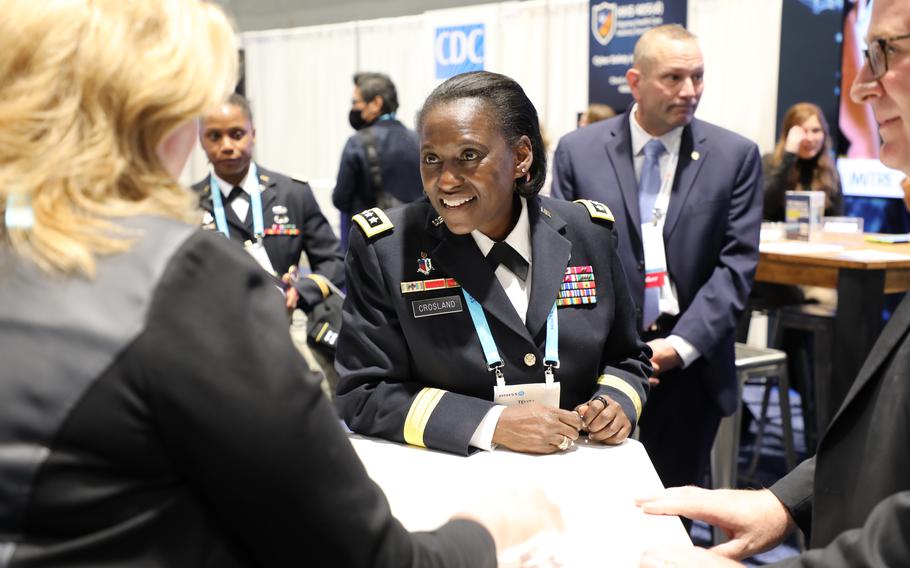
852	499
687	200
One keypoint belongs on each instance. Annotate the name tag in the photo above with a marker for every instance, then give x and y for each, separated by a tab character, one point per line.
546	394
436	306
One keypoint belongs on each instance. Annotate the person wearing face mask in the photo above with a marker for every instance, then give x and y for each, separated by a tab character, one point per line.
484	314
801	160
379	162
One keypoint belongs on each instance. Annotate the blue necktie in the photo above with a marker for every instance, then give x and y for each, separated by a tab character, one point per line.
648	188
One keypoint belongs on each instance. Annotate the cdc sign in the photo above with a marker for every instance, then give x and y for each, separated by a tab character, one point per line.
458	49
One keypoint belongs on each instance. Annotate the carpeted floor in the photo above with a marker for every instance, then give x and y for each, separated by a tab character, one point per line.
771	464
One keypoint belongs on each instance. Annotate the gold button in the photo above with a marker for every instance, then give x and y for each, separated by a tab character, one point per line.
530	359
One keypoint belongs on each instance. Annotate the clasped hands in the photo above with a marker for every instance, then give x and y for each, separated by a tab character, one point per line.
538	429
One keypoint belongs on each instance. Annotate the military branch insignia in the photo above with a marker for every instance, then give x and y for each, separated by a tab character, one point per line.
597	210
437	221
373	222
424	264
578	287
263	178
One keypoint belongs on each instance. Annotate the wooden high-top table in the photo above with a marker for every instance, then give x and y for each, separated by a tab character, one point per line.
862	272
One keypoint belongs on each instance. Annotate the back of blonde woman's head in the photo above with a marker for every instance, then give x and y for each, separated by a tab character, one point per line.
89	89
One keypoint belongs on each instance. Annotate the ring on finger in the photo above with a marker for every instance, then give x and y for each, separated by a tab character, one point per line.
602	399
564	445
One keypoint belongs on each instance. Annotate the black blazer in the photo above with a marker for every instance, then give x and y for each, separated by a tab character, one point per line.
853	497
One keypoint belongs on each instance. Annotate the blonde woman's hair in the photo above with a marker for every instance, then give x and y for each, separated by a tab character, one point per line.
89	90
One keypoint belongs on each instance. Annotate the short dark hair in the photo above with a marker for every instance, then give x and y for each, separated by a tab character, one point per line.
238	100
374	85
511	110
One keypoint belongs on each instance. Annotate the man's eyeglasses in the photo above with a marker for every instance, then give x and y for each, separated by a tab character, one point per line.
877	54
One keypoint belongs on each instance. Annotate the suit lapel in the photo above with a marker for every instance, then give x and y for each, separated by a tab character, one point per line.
459	256
551	256
619	152
269	195
894	333
692	155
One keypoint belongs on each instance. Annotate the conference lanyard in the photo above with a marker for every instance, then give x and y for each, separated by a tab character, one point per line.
255	204
491	353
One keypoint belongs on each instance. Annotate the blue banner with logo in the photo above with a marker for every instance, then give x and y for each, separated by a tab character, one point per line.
613	29
458	49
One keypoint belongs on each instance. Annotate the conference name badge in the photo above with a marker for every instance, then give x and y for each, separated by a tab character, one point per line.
578	287
257	251
546	394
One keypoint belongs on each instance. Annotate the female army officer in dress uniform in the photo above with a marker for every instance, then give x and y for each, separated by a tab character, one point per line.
443	346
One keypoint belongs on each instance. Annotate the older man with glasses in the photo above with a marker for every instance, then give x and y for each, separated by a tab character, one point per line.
852	500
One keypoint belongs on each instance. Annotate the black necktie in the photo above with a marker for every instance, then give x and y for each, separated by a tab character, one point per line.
502	253
236	192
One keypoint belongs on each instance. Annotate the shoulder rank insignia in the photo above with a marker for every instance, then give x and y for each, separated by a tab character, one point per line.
373	222
597	210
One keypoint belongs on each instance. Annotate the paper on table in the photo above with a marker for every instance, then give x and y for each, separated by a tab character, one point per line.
868	255
798	247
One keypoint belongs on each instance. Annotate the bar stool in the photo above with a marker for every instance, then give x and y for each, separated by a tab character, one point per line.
752	363
818	321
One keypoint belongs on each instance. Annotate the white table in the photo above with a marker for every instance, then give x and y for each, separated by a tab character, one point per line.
594	485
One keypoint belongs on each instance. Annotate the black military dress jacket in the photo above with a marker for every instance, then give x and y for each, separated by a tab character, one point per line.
293	224
423	379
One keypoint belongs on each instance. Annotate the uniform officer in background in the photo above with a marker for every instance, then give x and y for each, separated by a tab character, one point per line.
852	499
379	162
687	199
274	216
486	315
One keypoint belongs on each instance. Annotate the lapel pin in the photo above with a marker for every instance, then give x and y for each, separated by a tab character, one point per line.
424	264
695	155
437	221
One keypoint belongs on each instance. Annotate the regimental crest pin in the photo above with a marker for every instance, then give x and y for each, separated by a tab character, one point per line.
424	264
279	210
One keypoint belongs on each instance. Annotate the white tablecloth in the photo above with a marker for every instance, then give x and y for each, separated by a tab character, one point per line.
594	485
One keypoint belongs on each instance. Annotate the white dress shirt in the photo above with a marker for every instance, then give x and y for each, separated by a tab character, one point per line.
669	302
249	184
519	294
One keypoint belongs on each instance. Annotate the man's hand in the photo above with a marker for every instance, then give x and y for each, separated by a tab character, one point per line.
664	356
754	521
605	420
535	428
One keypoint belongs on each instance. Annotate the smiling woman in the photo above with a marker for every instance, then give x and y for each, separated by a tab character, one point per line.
485	315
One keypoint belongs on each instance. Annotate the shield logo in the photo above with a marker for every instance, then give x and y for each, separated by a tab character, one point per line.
424	264
603	22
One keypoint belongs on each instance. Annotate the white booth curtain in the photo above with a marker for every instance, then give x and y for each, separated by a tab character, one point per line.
299	81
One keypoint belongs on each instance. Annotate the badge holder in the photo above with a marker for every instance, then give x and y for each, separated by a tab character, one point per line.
546	393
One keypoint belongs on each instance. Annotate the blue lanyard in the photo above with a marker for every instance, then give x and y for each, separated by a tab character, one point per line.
255	203
491	354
